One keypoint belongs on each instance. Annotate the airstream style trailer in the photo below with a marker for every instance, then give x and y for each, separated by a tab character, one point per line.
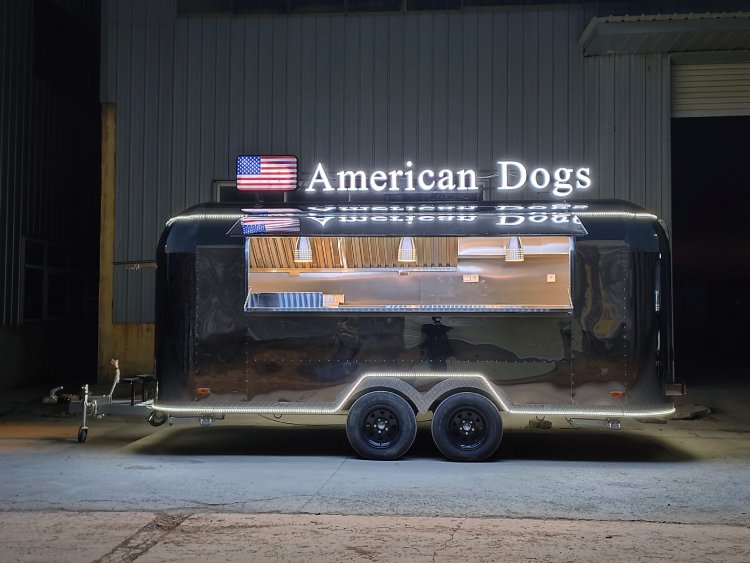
467	310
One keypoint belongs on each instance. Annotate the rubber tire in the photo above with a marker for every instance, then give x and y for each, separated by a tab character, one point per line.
82	435
400	410
487	413
157	418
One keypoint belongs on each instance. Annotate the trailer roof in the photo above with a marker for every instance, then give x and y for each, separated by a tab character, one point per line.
407	219
217	221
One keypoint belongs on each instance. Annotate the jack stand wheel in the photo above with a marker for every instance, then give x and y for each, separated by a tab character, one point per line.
83	433
157	418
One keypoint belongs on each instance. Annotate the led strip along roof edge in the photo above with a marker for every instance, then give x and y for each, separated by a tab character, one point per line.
337	408
205	217
620	214
236	216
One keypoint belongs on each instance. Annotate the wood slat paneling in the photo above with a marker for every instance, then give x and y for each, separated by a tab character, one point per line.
361	252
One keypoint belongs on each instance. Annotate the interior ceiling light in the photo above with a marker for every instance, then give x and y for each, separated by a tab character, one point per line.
303	251
514	250
407	250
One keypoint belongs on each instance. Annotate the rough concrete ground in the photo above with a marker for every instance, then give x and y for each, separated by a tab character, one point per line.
136	536
653	492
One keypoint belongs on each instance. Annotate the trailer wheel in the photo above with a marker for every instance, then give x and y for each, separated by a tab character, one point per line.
82	434
467	427
157	418
381	425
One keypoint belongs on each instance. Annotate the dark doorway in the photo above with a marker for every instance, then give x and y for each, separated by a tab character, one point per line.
711	245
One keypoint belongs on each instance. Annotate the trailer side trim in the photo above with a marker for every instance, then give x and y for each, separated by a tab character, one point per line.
369	380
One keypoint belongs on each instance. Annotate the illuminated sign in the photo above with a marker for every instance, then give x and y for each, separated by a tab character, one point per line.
407	180
266	172
514	176
511	176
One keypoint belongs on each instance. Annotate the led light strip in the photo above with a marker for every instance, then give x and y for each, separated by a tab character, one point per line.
235	216
624	214
206	217
337	409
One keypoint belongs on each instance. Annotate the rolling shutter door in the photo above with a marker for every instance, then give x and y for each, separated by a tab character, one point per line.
706	90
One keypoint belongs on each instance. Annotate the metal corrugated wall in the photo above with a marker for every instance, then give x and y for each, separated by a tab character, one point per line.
46	135
443	88
7	45
628	126
15	92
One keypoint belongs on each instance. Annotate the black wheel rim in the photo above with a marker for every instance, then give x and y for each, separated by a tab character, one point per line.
467	429
381	428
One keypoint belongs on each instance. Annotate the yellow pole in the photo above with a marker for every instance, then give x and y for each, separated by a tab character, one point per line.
106	245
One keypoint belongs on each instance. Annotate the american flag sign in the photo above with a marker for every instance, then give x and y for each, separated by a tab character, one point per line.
260	225
256	173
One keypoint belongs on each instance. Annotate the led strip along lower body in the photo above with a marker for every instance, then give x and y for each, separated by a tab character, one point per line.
337	407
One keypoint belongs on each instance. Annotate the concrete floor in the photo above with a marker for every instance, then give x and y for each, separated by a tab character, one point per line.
651	491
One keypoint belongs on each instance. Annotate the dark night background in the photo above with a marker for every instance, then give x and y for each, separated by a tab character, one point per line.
711	252
50	193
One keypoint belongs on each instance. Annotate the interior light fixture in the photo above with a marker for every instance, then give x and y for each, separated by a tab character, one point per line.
407	250
303	251
514	250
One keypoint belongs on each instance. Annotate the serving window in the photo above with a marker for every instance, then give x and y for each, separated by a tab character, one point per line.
420	274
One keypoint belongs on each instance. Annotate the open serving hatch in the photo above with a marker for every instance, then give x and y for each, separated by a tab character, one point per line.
450	262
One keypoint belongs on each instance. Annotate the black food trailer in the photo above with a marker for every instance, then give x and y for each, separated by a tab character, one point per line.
470	311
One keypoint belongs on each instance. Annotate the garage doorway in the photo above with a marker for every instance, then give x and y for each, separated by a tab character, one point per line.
711	246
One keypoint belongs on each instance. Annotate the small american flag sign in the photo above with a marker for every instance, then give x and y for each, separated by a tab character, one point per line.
266	173
260	225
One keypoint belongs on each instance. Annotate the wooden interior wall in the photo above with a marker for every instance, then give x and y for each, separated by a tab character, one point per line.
352	252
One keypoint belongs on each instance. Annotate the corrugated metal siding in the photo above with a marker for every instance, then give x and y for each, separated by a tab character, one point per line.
668	32
443	88
46	136
15	90
627	129
709	90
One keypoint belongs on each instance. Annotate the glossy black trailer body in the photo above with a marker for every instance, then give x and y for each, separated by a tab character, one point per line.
607	355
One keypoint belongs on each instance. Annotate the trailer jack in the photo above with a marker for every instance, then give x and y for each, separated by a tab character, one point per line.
157	418
99	406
